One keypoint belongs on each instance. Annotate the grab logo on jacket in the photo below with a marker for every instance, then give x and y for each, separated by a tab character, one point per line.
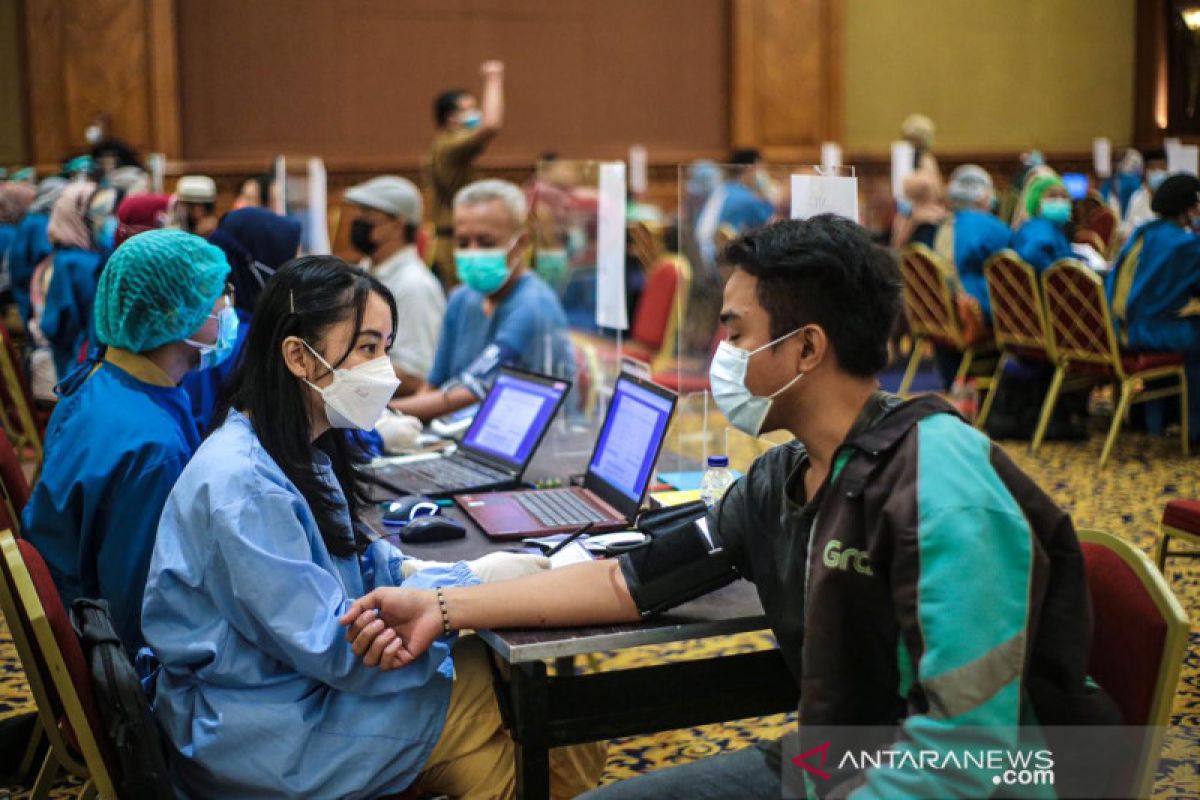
837	558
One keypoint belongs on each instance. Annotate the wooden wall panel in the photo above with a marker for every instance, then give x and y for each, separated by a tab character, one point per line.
101	56
354	81
786	76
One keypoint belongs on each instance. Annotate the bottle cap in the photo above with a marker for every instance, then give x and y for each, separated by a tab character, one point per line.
718	461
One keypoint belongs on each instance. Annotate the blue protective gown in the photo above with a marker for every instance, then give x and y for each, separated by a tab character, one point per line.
115	444
1156	275
204	386
978	236
8	234
67	318
1041	243
30	245
259	691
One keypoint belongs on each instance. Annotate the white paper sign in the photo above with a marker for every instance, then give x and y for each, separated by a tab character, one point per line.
1170	143
638	169
318	224
610	248
814	194
158	168
1102	157
902	166
831	156
281	198
1184	158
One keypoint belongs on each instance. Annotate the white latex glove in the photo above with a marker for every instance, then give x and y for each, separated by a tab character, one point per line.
504	566
399	431
412	565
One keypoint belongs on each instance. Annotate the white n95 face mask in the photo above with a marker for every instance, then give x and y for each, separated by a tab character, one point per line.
727	376
356	397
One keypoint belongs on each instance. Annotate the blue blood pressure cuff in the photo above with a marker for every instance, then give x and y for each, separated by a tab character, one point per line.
683	559
480	373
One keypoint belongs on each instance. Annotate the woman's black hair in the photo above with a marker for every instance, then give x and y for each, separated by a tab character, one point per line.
305	298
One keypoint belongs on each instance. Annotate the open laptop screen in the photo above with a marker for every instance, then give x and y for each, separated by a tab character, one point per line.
514	415
631	438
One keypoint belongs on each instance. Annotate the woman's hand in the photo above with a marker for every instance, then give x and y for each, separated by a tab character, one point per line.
392	627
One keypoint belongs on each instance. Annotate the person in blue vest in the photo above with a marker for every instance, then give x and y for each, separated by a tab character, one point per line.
31	243
123	429
1154	286
256	242
973	234
1043	239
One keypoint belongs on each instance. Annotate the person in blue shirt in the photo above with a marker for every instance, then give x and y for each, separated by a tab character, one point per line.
256	242
1043	239
973	234
1156	281
502	314
261	548
31	243
746	204
66	319
123	429
1119	189
15	198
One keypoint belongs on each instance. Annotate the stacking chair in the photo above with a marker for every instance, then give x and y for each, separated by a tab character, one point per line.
647	243
29	427
1180	520
931	311
14	488
1139	641
56	670
1018	317
661	311
1084	344
1096	217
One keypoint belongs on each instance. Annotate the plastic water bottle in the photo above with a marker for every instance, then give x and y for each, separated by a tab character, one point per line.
717	478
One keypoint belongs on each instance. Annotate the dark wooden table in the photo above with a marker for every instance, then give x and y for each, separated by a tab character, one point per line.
545	710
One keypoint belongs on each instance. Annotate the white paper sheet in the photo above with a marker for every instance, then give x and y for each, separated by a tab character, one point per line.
1102	157
610	248
158	168
814	194
280	204
638	169
318	224
1184	158
902	165
831	156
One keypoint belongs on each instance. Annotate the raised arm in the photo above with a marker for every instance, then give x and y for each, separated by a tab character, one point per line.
492	101
392	627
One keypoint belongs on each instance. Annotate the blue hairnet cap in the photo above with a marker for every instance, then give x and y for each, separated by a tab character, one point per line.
157	288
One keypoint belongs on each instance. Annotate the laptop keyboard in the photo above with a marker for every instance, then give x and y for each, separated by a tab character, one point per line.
557	507
450	473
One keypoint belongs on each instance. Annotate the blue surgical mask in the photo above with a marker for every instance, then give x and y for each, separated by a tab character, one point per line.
471	120
227	328
484	269
1056	210
727	376
552	265
1155	178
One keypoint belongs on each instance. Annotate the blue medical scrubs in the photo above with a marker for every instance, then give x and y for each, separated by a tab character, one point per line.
30	245
527	329
67	318
743	209
1126	184
8	234
978	236
259	692
115	444
1156	274
204	386
1041	243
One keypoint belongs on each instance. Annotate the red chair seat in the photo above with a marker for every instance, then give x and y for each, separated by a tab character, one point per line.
1183	515
1137	362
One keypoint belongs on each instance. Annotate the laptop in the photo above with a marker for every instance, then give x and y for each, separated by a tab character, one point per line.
618	474
498	445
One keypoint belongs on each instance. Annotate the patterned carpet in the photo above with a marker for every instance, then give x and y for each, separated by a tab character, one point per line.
1126	498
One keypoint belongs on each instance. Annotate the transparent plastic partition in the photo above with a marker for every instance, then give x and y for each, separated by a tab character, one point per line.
718	202
563	198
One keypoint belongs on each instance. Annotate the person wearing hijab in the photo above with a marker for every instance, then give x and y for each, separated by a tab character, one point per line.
973	234
1119	189
1043	239
1019	215
31	244
74	268
123	429
256	242
138	213
1155	283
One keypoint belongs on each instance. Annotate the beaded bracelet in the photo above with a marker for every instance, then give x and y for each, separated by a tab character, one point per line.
441	598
